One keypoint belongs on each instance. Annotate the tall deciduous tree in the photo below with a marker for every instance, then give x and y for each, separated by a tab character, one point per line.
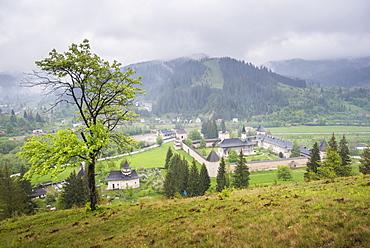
103	96
204	180
203	143
241	173
233	156
365	161
296	152
221	176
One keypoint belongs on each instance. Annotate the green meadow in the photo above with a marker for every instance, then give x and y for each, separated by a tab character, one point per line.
308	214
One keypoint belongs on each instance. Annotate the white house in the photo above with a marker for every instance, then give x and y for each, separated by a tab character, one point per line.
123	179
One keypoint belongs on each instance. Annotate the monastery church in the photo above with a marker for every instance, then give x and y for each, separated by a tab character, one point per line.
247	144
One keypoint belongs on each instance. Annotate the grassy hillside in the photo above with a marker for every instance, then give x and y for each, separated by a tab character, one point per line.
315	214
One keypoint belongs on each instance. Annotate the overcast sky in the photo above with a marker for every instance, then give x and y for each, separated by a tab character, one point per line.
134	31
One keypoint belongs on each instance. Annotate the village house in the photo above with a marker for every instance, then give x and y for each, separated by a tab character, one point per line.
123	179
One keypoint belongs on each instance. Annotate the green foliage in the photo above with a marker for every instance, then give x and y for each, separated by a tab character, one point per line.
343	151
365	161
313	162
209	129
13	197
204	180
102	95
233	156
74	192
241	173
193	185
194	135
296	152
168	157
333	143
203	143
221	176
159	140
340	208
284	173
177	176
189	142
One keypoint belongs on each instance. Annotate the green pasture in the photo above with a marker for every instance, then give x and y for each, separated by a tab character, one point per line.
318	129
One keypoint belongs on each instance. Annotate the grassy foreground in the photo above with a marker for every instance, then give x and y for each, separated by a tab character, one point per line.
315	214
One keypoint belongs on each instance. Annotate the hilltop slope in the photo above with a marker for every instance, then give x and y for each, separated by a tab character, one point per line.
314	214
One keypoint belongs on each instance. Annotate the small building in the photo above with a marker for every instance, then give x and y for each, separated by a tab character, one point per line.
37	131
164	133
123	179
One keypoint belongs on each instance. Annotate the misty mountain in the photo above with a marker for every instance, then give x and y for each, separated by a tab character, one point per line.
227	88
326	73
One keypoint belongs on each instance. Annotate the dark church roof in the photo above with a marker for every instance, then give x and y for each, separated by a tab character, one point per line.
243	130
223	128
213	157
126	165
261	128
276	141
117	175
323	145
181	130
38	192
235	142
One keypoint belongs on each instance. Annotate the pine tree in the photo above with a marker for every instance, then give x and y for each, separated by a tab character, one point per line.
27	188
204	180
193	185
330	167
12	197
168	157
241	173
179	175
313	162
343	151
333	143
365	161
169	186
74	192
221	178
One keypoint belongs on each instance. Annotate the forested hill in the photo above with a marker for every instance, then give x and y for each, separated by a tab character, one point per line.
220	87
227	88
339	72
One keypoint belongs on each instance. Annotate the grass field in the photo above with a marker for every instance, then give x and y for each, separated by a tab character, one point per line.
318	129
314	214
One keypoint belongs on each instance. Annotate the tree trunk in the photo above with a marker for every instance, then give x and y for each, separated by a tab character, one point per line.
91	185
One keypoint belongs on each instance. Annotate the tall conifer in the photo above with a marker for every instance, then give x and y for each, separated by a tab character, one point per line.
343	151
241	173
333	143
13	199
204	180
314	161
168	157
193	186
365	161
221	178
